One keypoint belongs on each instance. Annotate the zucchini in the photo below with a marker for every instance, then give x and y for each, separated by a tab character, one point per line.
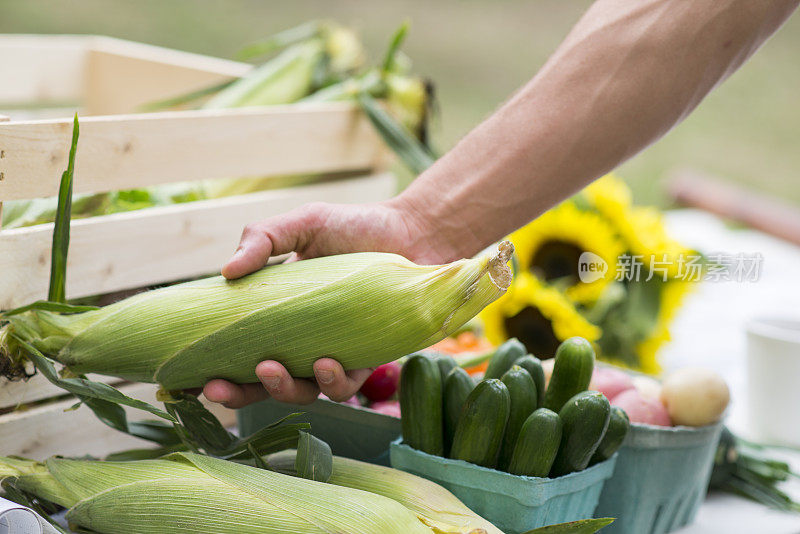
572	372
480	428
522	390
533	365
585	419
457	387
446	364
421	404
504	357
618	427
537	444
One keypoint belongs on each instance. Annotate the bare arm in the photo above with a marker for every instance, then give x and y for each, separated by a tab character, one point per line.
628	72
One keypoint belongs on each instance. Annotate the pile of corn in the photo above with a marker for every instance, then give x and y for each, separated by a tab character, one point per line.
190	493
320	61
361	309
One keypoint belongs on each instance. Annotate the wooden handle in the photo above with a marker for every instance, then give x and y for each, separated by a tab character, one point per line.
757	210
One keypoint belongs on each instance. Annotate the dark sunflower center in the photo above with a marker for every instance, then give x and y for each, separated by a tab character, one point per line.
557	260
534	331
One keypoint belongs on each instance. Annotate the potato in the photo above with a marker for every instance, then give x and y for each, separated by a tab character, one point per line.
695	396
648	387
640	409
610	382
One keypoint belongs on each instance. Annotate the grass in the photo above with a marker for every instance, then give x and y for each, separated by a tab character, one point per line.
478	52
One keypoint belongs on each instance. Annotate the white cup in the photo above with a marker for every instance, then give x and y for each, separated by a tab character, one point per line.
773	380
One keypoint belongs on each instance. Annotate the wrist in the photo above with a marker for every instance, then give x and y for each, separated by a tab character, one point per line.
434	236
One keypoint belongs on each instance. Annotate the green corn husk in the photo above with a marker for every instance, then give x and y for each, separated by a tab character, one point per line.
189	493
361	309
286	78
433	504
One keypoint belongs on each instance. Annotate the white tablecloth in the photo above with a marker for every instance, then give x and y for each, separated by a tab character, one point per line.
709	331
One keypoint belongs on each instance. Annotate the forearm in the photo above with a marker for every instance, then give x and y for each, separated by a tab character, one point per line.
627	73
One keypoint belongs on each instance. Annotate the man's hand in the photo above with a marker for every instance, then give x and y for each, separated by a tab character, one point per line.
320	230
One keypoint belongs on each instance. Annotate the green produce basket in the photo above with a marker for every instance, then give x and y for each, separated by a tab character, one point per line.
351	431
514	503
660	480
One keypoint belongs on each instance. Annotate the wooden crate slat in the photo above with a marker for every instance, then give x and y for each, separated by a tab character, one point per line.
121	76
139	248
134	151
47	430
42	68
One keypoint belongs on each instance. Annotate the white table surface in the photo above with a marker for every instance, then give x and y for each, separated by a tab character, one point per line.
709	331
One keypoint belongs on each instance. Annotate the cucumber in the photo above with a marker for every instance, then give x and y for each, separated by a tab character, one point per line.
585	419
457	387
446	364
618	426
421	404
572	372
480	428
522	390
537	444
504	357
533	365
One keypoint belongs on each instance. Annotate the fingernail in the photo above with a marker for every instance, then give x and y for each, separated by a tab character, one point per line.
272	382
324	376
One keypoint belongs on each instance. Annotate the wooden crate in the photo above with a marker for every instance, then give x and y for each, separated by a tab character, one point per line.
108	80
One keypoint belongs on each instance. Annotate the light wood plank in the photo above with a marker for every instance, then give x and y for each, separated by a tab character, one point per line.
37	388
3	118
135	249
47	430
42	68
134	151
121	76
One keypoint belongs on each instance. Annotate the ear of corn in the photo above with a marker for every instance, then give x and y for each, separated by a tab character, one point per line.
190	493
433	504
361	309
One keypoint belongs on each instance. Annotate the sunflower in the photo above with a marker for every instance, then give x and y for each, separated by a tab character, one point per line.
645	234
554	247
538	315
636	327
609	196
672	296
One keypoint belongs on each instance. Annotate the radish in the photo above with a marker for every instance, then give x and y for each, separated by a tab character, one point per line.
610	382
648	387
382	383
391	408
640	409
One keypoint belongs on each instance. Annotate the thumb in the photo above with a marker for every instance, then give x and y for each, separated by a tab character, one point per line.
271	237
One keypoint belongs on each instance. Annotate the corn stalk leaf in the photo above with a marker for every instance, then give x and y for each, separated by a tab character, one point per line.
584	526
58	263
274	437
46	305
143	454
87	389
410	151
314	459
280	40
156	431
394	46
201	427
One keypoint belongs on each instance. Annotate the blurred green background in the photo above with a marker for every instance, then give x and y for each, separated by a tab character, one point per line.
478	52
